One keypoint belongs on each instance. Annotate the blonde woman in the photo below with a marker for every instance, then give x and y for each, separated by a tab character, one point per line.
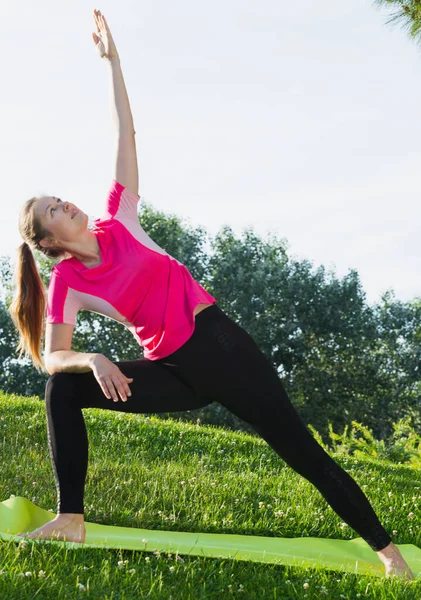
194	353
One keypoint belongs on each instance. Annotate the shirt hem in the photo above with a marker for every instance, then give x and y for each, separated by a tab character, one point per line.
152	355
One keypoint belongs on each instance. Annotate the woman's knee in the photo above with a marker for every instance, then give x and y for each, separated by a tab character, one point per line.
57	384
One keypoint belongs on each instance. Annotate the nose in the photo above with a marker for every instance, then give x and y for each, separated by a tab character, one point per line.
67	207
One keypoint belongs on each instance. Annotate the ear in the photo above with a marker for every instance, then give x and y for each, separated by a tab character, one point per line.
47	243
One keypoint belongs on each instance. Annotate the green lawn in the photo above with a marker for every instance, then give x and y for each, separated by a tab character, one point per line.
148	473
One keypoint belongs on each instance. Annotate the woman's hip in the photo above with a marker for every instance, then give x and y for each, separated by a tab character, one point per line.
221	357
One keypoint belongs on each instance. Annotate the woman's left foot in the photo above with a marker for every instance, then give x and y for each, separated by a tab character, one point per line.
66	527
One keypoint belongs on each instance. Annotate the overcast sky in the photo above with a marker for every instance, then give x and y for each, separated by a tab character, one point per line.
301	119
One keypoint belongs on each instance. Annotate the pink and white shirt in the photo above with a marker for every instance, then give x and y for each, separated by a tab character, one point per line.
137	283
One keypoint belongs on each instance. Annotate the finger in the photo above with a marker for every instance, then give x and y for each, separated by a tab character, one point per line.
128	380
105	23
120	389
104	388
126	388
98	22
111	389
120	392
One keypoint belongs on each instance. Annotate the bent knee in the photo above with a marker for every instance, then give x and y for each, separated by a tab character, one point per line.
58	381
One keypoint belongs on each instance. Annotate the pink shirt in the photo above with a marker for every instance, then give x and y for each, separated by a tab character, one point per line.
137	283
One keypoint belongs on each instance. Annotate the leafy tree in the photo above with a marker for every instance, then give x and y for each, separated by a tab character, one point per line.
397	355
408	14
309	324
319	333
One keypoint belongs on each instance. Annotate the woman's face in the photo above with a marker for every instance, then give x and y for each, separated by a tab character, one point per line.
63	219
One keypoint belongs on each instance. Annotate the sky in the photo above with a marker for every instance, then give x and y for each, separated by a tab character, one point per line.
299	119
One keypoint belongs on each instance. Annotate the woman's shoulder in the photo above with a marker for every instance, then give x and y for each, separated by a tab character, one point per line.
63	267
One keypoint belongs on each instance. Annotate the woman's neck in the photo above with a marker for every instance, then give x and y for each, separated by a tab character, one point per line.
88	252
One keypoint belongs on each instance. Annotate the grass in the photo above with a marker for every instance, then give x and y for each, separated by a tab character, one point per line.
155	474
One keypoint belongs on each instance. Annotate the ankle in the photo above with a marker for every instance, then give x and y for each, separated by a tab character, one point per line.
389	550
70	518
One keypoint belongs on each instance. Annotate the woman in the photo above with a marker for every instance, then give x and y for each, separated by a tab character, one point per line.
194	353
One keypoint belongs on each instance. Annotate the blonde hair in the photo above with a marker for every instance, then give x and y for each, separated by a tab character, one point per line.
28	306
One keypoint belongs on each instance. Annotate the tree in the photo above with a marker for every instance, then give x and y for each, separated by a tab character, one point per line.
309	324
397	354
408	13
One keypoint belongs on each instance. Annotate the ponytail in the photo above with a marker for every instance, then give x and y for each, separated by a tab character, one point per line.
28	306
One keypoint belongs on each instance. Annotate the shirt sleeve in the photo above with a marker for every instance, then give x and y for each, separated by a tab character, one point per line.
62	302
121	202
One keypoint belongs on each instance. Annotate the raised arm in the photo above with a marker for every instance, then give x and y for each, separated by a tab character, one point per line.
126	169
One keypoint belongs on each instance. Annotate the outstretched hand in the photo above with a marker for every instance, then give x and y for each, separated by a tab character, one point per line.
102	38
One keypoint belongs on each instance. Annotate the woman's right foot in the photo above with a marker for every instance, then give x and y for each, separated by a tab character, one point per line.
394	562
66	527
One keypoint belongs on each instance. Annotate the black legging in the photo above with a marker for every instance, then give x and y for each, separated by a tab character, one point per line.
220	362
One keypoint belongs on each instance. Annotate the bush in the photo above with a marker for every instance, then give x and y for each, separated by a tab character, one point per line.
403	446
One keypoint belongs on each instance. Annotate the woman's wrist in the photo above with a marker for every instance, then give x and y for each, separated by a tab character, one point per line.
112	59
92	358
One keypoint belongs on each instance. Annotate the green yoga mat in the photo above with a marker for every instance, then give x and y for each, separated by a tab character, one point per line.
19	515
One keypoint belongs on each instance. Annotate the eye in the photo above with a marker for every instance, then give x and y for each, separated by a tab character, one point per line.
58	200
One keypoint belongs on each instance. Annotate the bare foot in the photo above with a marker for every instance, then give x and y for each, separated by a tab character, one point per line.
394	563
67	527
